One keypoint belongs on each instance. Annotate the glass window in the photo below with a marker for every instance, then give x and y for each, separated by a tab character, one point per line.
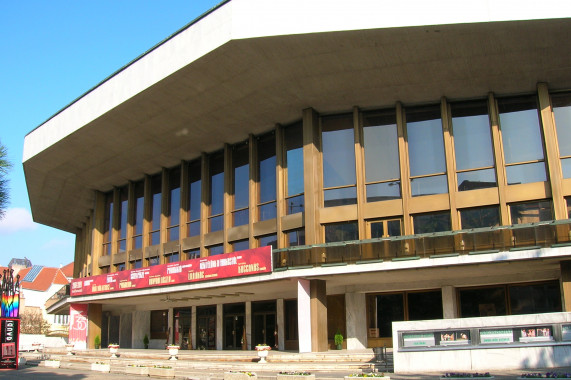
382	167
385	228
338	147
267	177
424	305
136	264
193	254
240	245
293	141
139	214
341	232
195	198
296	237
473	145
426	151
155	236
172	258
154	261
215	250
522	140
562	113
120	267
480	217
108	227
568	200
432	222
174	204
483	302
241	183
535	298
531	212
123	218
268	240
216	215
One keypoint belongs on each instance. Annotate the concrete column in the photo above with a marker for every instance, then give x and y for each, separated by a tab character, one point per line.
219	326
304	315
248	325
141	326
449	302
171	325
193	327
280	316
566	285
94	317
356	312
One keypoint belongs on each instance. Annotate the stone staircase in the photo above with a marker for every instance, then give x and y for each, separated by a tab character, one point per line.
212	364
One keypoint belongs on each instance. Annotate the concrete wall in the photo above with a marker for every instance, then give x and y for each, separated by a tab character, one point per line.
478	358
141	325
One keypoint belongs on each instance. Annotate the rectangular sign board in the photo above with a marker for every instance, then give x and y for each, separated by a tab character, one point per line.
9	334
235	264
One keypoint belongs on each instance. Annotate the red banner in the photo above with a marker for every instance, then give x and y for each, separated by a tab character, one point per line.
236	264
78	325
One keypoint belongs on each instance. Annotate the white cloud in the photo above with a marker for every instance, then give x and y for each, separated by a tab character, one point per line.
16	220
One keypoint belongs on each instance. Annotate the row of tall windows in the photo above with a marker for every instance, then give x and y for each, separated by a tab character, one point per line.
423	156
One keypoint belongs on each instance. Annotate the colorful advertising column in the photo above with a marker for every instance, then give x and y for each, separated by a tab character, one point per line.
9	320
78	325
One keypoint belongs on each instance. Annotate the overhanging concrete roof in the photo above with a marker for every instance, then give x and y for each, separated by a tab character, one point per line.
250	64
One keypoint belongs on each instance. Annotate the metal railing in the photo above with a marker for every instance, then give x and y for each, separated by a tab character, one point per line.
439	244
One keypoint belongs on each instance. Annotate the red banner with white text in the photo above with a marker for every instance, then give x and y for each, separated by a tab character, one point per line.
235	264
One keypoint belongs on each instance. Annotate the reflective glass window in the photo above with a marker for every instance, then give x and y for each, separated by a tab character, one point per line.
139	214
268	240
385	228
473	145
480	217
267	177
522	142
216	191
483	302
123	218
195	198
424	305
215	250
174	204
241	183
382	167
535	298
293	136
338	147
562	114
296	237
432	222
341	232
155	209
240	245
193	254
108	226
531	212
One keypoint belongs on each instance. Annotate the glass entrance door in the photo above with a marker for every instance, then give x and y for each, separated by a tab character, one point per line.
234	328
182	333
390	308
264	329
206	327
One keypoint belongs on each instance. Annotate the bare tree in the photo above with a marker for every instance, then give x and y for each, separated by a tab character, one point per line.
5	166
32	322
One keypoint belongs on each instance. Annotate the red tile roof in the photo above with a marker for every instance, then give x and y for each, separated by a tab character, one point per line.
68	270
44	279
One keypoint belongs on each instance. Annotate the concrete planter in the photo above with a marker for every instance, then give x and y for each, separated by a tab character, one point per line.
101	367
52	363
240	376
165	373
113	349
467	378
281	376
134	370
362	377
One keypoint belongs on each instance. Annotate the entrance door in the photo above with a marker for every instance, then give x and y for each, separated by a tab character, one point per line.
264	329
234	328
182	321
390	308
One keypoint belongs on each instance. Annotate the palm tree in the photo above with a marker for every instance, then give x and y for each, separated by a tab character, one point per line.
5	166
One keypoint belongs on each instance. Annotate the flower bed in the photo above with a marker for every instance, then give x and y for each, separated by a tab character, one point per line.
134	369
547	375
162	371
52	363
295	376
377	375
101	367
462	375
240	375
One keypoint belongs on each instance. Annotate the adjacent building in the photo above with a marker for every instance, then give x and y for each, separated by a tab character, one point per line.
405	161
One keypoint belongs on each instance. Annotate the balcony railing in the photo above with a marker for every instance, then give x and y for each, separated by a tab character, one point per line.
439	244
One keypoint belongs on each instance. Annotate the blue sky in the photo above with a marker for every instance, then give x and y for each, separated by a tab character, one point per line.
51	53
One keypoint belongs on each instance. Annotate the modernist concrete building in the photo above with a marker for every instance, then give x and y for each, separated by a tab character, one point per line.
405	161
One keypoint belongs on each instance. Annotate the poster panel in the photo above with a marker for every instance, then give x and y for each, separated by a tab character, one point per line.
9	334
235	264
78	325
